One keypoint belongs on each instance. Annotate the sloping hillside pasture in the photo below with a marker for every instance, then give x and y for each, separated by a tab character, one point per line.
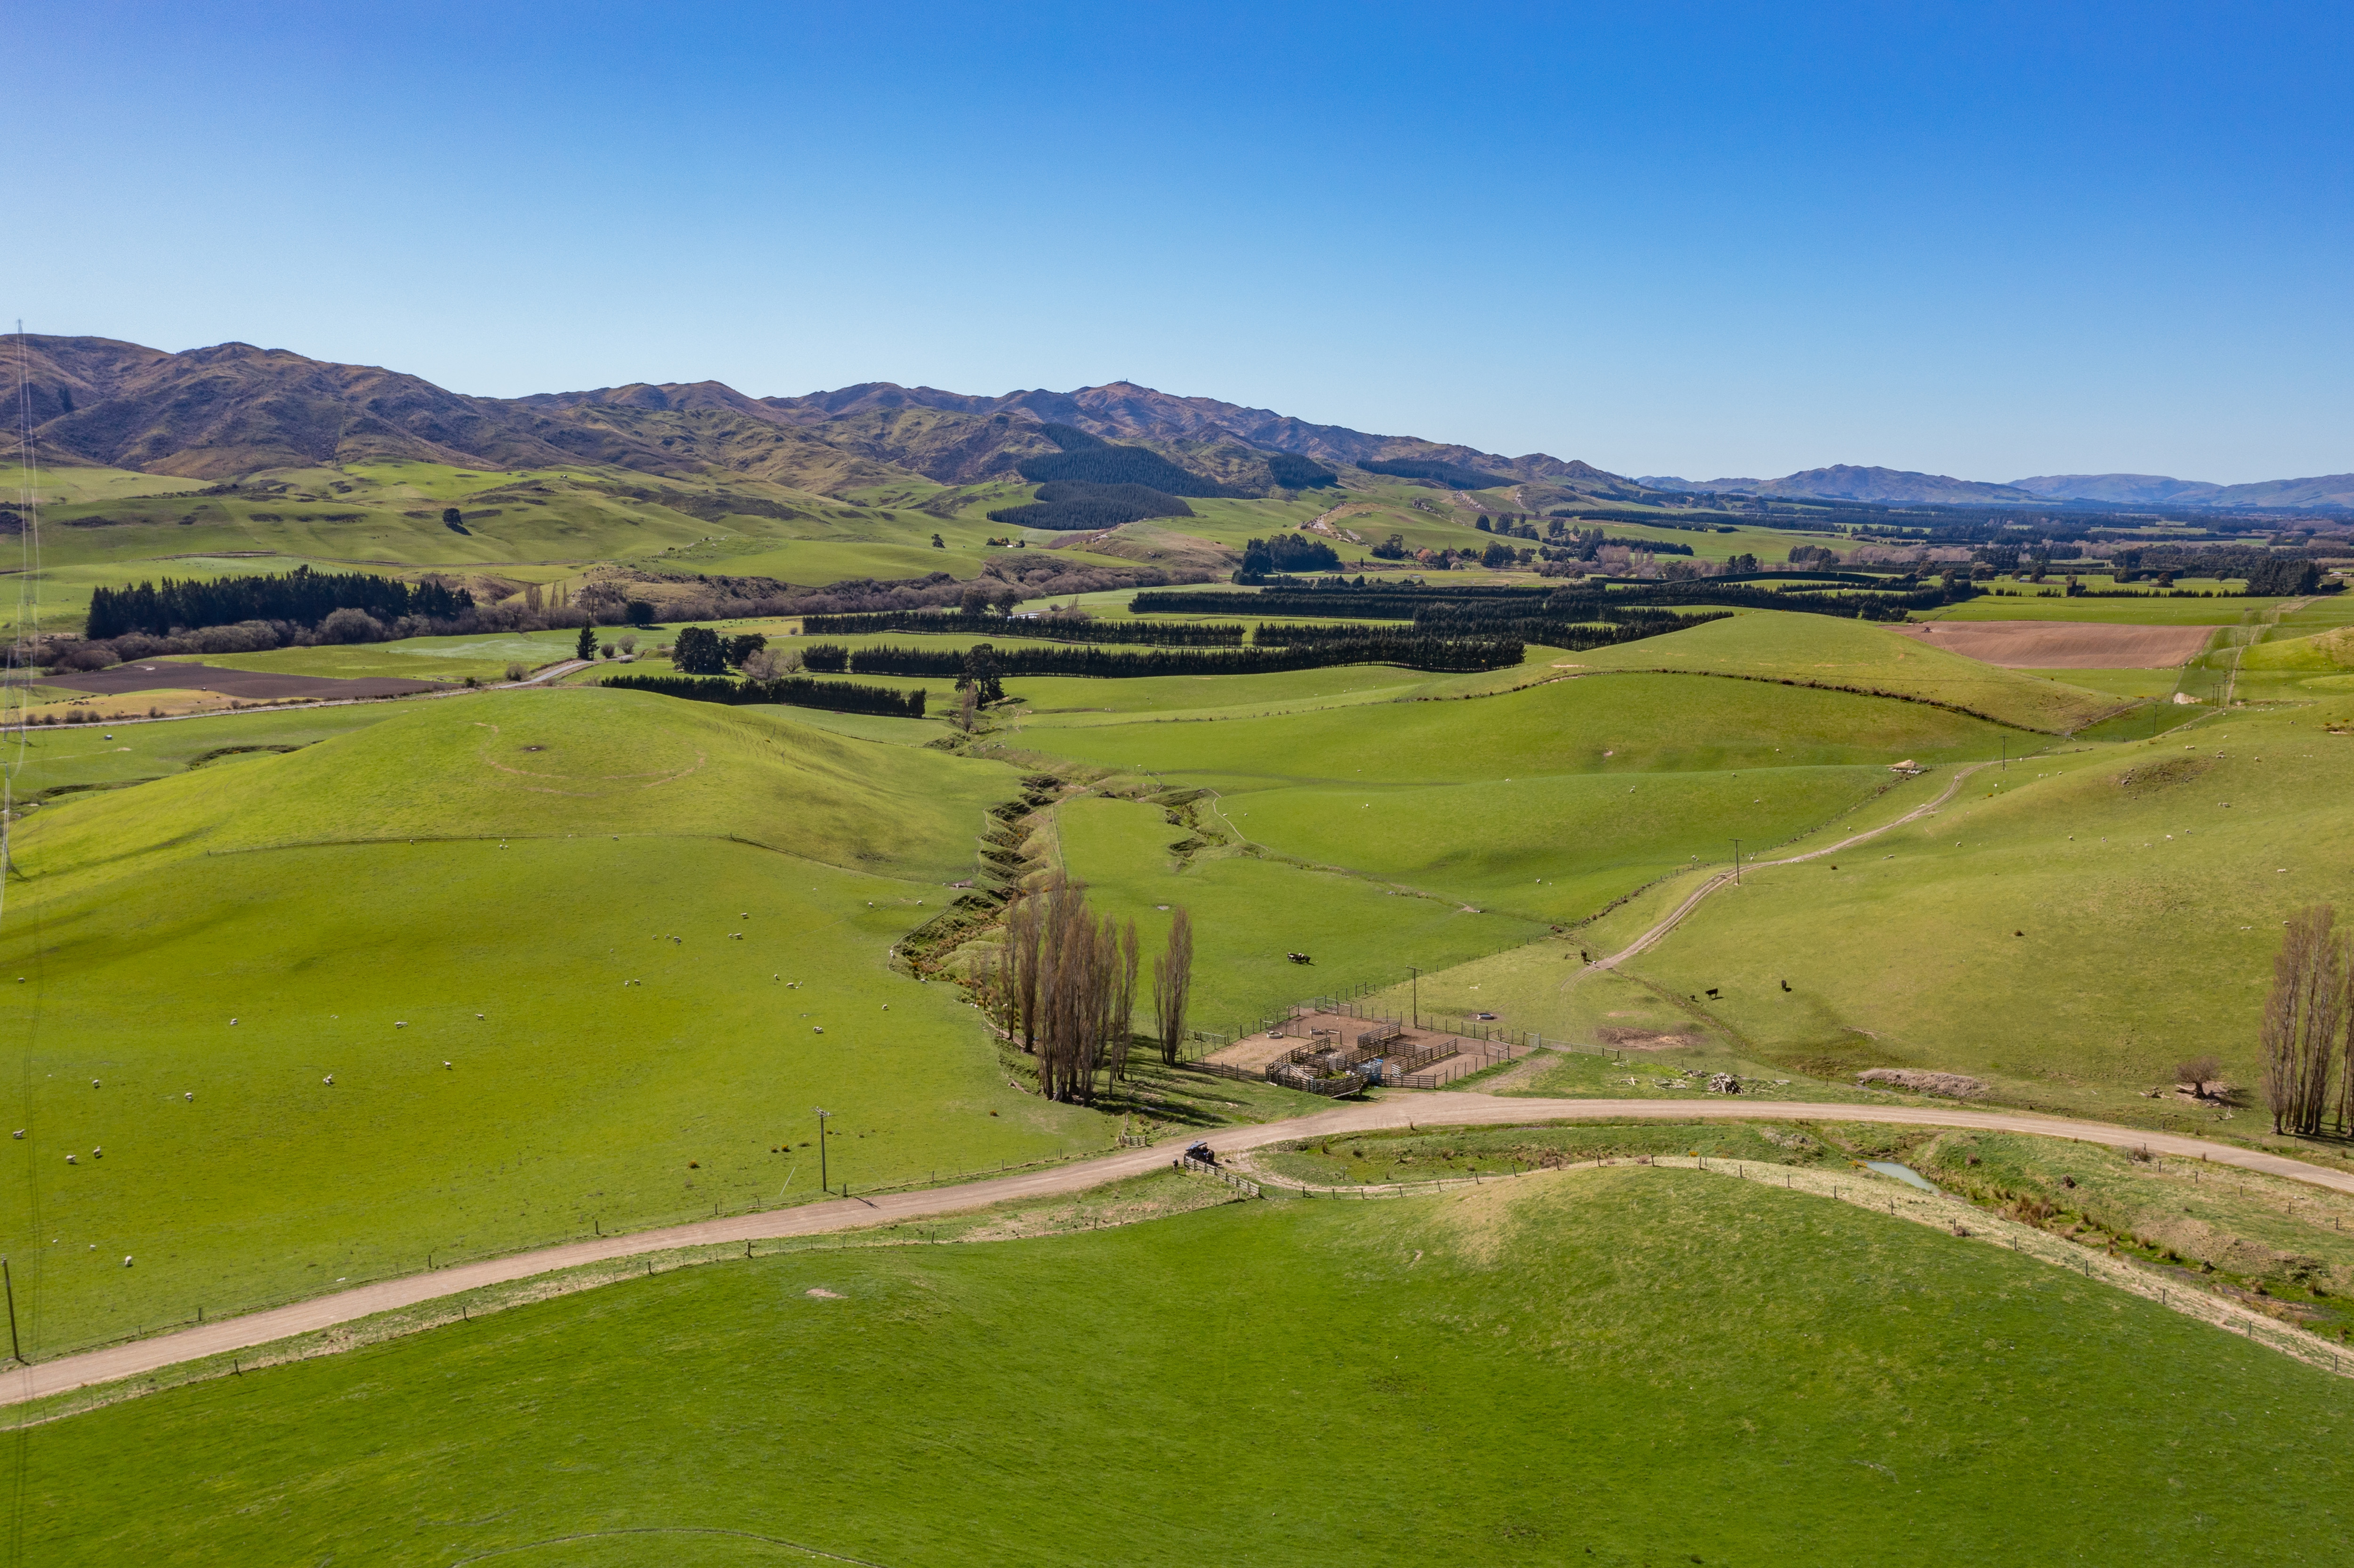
1248	913
1821	649
1548	848
562	840
2023	602
2072	935
80	756
1621	1366
1630	724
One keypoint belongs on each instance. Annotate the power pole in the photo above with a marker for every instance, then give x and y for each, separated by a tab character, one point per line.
1417	994
1736	862
16	1349
824	1185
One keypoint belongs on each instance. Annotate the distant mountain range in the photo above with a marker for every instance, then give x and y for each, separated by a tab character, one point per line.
233	409
2331	492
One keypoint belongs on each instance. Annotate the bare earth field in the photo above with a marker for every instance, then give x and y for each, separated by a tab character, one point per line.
252	684
2064	644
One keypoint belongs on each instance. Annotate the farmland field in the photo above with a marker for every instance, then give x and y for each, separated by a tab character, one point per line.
1538	1333
540	889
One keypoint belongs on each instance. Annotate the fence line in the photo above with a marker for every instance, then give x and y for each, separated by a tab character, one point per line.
1242	1185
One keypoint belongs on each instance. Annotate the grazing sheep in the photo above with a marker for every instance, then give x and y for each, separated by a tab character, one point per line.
126	1260
93	1082
98	1154
446	1067
72	1160
399	1025
189	1095
329	1080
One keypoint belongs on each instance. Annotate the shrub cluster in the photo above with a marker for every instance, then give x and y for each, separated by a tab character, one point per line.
302	596
1070	506
1453	475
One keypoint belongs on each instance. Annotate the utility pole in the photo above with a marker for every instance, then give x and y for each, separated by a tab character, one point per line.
823	1184
1417	994
1736	862
16	1349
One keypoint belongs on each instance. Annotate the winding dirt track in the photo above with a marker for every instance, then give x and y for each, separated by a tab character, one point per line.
1440	1109
1725	878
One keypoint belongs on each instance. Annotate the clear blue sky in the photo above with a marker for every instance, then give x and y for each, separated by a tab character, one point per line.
1982	240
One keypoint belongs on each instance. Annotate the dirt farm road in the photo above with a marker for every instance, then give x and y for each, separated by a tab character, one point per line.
1396	1109
1727	878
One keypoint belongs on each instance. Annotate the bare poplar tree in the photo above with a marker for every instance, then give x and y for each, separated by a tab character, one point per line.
2303	1016
1172	984
1024	938
1121	1032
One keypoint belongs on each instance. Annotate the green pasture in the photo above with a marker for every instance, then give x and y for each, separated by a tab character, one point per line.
72	758
1621	724
1408	1155
1828	651
1547	848
2068	928
1623	1366
1249	912
1544	803
54	486
580	863
2027	602
484	656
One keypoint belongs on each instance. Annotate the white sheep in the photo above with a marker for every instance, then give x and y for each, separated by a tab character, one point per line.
329	1080
189	1095
72	1160
401	1026
446	1068
126	1260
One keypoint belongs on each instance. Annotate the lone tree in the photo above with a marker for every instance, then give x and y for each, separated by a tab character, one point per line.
453	518
638	613
2303	1016
586	647
699	651
980	672
2198	1072
1172	984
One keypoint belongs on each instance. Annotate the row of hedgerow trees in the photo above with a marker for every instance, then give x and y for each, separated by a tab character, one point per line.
1066	989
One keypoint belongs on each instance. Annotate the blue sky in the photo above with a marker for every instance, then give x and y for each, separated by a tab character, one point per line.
1989	240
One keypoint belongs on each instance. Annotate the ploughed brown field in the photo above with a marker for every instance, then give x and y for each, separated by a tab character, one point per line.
2064	644
254	685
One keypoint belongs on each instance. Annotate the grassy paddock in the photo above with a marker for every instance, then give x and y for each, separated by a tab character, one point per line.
562	840
1537	1332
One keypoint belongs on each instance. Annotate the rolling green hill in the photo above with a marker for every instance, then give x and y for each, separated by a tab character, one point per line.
1823	650
540	888
1620	1366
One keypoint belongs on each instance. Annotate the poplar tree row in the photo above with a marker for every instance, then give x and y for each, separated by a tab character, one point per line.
1066	989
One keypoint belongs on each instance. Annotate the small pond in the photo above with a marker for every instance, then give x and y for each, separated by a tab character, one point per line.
1904	1173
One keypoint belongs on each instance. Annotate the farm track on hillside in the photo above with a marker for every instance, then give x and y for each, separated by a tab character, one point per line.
1728	878
1408	1110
